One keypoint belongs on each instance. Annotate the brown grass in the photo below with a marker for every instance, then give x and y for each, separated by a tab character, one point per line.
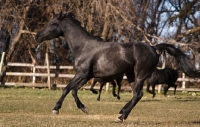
32	107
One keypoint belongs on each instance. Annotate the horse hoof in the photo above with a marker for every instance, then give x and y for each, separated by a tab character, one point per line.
118	120
85	110
55	112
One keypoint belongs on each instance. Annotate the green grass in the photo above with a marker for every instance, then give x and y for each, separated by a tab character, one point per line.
25	107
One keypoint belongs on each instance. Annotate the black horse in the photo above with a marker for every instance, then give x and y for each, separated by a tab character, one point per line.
102	83
96	59
162	76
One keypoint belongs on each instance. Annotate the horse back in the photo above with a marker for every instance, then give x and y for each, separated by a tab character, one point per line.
116	59
110	57
161	76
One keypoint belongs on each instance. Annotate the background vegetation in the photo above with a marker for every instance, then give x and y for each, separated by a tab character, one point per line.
152	21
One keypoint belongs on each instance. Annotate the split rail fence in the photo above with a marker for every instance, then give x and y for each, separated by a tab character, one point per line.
49	75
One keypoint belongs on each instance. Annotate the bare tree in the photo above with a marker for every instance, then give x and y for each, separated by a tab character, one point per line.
151	21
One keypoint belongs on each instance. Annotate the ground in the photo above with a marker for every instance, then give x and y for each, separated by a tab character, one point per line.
32	107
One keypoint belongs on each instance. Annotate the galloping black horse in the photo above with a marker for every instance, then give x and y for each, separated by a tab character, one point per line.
96	59
162	76
102	83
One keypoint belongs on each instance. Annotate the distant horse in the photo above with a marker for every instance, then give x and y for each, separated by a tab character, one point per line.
162	76
102	83
96	59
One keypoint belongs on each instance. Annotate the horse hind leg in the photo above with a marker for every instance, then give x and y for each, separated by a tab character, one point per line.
137	91
148	86
119	80
101	87
114	87
136	85
153	89
118	91
175	86
166	89
92	86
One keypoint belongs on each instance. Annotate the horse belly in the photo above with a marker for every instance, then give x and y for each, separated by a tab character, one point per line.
162	79
110	68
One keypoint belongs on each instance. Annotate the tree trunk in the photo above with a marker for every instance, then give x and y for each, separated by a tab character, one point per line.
106	21
13	43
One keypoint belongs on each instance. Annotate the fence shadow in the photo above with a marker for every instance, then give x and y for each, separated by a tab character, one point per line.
196	122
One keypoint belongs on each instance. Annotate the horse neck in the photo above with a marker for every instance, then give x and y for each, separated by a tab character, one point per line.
76	37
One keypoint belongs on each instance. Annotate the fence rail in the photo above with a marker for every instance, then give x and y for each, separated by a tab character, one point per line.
53	75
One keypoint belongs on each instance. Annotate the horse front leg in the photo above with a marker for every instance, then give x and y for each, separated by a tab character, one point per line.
79	104
77	80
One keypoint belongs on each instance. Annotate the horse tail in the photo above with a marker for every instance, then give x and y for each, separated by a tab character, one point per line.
184	63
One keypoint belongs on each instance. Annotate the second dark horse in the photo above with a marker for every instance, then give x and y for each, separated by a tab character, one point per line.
162	76
102	83
96	59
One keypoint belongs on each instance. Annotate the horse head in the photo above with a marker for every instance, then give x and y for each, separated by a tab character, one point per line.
51	30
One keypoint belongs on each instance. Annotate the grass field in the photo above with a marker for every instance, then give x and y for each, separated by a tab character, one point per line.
25	107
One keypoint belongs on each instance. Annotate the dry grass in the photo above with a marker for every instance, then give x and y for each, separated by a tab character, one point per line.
32	107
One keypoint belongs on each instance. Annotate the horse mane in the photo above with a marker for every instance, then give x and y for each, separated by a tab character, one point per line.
71	16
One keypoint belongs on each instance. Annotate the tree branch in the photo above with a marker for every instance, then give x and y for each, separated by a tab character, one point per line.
188	32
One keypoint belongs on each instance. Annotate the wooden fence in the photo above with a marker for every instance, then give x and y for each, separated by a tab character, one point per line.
49	75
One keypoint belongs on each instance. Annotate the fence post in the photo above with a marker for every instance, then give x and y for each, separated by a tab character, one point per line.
2	59
107	86
1	65
34	75
48	71
183	82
